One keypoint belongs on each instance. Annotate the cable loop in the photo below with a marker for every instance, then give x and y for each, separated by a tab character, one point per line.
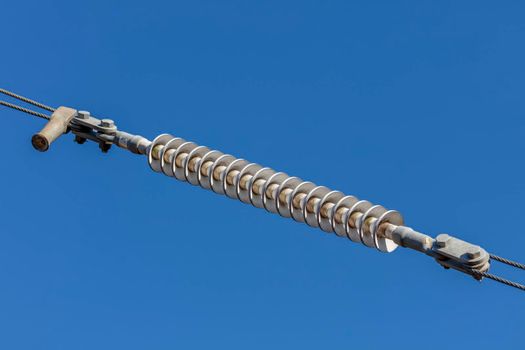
479	274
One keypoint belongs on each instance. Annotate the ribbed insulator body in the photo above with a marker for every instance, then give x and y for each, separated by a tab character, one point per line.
317	206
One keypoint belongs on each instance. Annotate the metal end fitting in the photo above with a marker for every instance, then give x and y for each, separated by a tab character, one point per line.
86	127
448	251
451	252
105	133
57	125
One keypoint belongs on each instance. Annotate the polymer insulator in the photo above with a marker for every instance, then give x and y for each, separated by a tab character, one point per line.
304	201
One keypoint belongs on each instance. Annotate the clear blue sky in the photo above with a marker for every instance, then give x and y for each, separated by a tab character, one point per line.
417	105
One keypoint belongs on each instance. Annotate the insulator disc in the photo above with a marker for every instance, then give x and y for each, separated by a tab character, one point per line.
160	140
345	204
310	217
218	185
231	189
284	209
359	207
262	174
271	203
193	176
172	144
205	180
186	148
244	193
304	188
382	243
325	223
365	233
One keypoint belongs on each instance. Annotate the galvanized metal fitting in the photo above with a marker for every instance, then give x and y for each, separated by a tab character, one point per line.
105	133
451	252
55	127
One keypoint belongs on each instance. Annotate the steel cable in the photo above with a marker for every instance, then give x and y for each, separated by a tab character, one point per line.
499	279
507	261
27	100
25	110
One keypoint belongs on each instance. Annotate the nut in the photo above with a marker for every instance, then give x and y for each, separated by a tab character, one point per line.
473	252
83	114
441	240
107	123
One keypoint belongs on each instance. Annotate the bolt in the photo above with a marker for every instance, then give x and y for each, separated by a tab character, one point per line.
83	115
107	123
473	252
441	240
79	140
104	147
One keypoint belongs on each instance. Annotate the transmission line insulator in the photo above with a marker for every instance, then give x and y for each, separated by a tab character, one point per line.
332	211
317	206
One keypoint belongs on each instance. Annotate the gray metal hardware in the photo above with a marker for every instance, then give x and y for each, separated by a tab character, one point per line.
104	132
57	125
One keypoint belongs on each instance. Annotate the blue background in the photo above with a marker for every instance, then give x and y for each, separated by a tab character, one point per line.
417	105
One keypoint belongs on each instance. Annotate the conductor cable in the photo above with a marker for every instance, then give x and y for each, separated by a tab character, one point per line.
26	100
25	110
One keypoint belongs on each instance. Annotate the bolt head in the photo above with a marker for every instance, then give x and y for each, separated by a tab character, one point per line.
441	240
83	114
79	140
473	252
107	123
104	147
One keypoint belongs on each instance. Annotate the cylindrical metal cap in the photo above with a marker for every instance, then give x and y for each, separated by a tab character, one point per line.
56	126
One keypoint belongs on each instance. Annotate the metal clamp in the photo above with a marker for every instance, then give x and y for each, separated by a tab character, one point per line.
86	127
448	251
105	133
57	125
451	252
